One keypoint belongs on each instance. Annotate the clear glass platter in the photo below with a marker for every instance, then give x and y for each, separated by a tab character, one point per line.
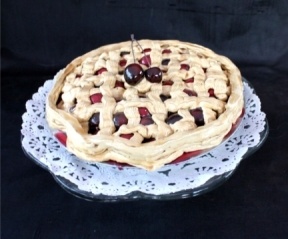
136	194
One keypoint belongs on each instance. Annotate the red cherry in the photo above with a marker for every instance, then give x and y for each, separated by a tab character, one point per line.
166	51
62	137
147	120
153	74
197	113
119	119
190	80
184	67
143	111
167	82
122	62
173	118
100	71
96	98
94	123
145	60
133	74
119	84
211	92
126	136
190	92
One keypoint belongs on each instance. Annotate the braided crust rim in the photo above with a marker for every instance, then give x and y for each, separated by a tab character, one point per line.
155	154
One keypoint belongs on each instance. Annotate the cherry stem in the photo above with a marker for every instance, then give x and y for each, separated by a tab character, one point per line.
133	39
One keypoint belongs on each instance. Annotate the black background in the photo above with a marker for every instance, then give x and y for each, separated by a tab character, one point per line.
40	37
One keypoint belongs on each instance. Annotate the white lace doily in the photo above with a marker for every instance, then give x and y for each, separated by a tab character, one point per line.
104	179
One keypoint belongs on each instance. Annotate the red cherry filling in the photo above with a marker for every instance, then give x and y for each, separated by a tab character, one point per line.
153	74
190	80
119	84
146	50
166	51
100	71
167	82
184	67
119	119
126	136
145	60
211	92
94	123
147	120
133	74
143	111
96	98
62	137
173	118
190	92
122	62
197	113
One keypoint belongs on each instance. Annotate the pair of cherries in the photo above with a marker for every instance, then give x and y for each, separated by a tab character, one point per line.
134	73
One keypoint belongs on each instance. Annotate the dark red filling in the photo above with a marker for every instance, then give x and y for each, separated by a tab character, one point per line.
190	92
145	60
100	71
96	98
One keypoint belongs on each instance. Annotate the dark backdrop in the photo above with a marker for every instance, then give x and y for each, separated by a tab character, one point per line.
40	37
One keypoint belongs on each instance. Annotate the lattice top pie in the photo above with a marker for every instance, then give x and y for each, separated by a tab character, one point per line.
145	103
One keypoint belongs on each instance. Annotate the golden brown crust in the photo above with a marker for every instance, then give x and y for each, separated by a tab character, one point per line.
171	141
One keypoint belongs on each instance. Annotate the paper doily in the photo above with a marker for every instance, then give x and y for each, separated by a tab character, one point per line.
104	181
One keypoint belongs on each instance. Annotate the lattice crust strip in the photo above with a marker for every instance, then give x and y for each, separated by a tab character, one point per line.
196	81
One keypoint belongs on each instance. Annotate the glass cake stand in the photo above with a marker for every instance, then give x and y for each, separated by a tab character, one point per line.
208	186
212	182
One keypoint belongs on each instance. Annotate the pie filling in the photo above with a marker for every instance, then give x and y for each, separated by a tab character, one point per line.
145	103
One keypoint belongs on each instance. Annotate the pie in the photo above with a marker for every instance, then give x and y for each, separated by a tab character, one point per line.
145	103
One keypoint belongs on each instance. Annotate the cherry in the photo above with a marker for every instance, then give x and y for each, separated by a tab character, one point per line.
173	118
167	82
119	119
100	71
153	74
119	84
190	80
143	111
190	92
166	51
164	97
145	60
211	92
146	120
122	62
133	74
126	136
184	67
96	98
197	113
94	123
